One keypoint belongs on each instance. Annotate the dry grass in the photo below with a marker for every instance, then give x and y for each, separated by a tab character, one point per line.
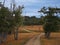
54	39
22	39
35	28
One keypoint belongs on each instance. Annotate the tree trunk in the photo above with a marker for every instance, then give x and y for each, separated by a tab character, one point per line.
0	38
16	34
47	34
4	36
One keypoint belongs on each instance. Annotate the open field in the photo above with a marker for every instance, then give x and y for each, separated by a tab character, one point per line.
27	32
54	39
34	28
23	36
22	39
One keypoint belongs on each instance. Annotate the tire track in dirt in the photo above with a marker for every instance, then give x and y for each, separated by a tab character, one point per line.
35	40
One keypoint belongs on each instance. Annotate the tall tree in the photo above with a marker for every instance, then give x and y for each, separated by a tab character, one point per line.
50	20
18	20
4	23
9	22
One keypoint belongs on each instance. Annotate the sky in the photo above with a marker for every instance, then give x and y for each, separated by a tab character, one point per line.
31	7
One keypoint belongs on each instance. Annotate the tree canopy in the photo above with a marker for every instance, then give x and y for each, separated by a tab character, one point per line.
51	21
8	21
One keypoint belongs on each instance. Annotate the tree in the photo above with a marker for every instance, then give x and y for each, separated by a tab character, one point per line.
8	22
41	20
50	20
4	23
17	20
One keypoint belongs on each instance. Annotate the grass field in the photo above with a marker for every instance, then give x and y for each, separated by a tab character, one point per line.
34	28
25	35
54	39
22	39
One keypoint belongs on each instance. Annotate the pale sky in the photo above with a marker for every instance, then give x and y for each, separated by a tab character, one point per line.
33	6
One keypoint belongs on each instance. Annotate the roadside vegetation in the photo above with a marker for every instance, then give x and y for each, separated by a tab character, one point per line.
51	26
10	20
51	20
54	39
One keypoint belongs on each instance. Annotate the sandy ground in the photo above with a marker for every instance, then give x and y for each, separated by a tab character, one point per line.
35	40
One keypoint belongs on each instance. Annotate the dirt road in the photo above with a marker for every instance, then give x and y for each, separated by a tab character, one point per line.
35	40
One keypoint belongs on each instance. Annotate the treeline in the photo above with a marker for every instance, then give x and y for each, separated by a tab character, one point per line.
32	20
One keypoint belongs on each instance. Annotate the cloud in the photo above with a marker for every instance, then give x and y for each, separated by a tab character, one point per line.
28	1
32	6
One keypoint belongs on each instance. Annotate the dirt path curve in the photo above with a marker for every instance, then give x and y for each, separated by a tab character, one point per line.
35	40
27	30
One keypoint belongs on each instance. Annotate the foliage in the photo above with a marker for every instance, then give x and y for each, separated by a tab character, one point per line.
51	21
8	21
18	17
32	20
4	23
